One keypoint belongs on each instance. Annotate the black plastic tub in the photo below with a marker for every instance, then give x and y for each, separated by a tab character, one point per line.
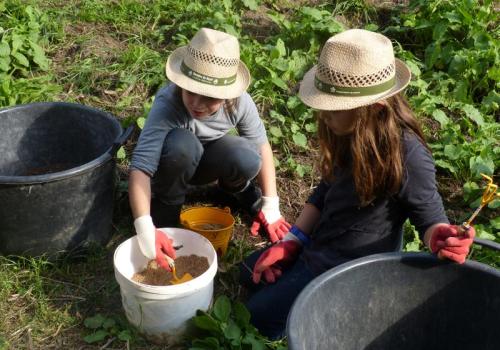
57	177
398	301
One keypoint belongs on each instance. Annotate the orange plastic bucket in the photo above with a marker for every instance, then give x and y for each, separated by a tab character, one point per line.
215	224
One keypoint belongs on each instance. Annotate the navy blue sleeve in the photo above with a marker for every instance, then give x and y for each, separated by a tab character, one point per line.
419	194
317	198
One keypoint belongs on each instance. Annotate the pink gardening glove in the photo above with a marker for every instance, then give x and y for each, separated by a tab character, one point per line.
163	245
269	218
273	260
154	244
451	242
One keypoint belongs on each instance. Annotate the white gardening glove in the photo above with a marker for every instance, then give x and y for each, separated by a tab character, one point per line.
154	244
269	218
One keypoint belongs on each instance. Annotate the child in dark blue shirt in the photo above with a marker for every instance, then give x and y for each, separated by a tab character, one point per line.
377	172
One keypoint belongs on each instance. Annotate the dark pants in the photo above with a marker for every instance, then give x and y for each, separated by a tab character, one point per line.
232	160
270	303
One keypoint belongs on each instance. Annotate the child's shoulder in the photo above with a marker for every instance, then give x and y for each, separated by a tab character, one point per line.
413	145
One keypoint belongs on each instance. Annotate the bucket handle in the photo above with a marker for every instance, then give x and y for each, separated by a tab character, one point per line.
121	140
487	243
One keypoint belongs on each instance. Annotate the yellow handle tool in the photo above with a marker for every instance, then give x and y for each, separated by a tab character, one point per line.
176	280
489	194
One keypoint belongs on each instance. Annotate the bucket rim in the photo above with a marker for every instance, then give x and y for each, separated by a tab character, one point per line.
61	175
227	211
176	289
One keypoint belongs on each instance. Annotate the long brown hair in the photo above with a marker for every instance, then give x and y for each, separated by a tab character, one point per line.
230	105
375	147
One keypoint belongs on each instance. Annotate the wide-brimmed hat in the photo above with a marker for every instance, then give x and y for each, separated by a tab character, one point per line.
356	68
209	65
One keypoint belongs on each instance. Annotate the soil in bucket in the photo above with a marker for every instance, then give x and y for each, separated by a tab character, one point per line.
156	276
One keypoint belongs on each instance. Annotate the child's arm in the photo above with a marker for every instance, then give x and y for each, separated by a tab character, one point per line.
153	243
269	217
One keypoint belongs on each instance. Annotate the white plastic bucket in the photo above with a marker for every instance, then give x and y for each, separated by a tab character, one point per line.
161	312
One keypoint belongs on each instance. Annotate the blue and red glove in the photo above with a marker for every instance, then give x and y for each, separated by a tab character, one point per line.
279	256
269	218
451	242
154	244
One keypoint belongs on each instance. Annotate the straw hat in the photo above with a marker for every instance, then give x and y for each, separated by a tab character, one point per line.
209	65
356	68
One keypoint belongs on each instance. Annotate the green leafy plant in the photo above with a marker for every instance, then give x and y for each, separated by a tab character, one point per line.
103	327
228	326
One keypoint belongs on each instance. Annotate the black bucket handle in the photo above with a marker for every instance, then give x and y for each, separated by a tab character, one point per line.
487	243
121	139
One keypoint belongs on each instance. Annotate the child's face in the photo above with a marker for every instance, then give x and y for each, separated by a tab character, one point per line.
340	122
200	106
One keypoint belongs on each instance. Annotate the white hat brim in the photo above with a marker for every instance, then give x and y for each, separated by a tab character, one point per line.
175	75
320	100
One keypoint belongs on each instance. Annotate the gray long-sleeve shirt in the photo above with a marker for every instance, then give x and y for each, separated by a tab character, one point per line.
168	112
346	230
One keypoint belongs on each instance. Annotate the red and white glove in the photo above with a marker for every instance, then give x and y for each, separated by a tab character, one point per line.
269	218
154	243
273	260
451	242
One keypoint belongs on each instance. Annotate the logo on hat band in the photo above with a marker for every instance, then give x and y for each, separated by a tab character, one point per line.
354	91
205	79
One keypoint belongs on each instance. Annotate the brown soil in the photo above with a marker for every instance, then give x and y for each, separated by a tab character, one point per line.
156	276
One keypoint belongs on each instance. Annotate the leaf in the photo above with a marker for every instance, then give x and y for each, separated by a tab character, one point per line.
473	114
451	152
415	71
256	344
232	331
125	335
17	42
480	165
140	122
241	314
275	131
207	343
279	83
495	223
4	63
483	233
207	323
121	153
21	59
222	308
300	139
108	323
251	4
96	336
445	165
440	117
39	56
4	49
94	322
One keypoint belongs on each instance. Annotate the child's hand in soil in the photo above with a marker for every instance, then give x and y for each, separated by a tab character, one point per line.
163	245
152	242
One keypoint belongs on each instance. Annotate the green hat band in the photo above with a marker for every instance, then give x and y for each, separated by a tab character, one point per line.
354	91
205	79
